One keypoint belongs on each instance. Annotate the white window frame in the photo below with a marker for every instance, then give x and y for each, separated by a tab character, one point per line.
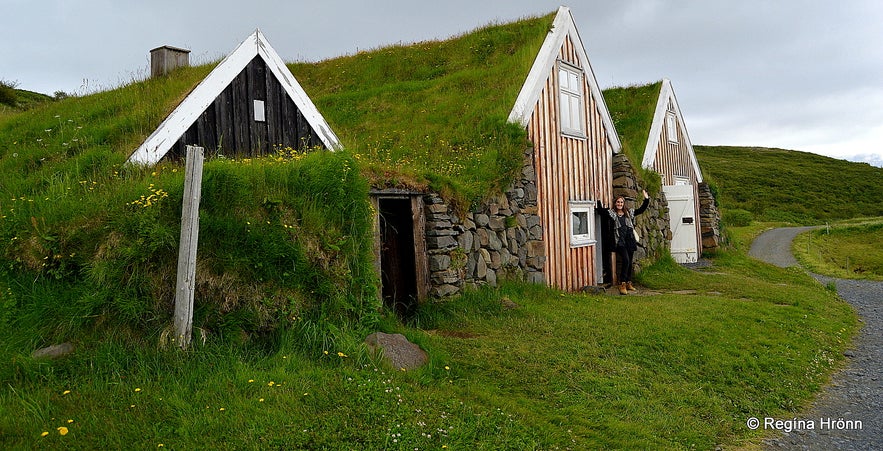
582	239
260	114
571	104
671	125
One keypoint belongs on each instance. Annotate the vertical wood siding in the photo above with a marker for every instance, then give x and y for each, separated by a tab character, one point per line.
568	169
228	127
673	160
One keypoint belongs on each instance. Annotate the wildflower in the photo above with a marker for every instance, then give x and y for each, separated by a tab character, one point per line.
66	392
340	354
62	430
261	400
447	368
137	390
44	434
271	383
222	409
70	421
250	381
326	352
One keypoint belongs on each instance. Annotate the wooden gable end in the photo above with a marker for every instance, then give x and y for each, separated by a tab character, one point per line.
672	156
235	124
670	152
249	103
569	168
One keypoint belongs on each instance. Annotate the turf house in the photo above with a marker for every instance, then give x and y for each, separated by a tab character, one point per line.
487	153
653	131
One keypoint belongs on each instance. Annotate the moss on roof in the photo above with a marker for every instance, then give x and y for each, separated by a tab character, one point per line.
434	111
632	109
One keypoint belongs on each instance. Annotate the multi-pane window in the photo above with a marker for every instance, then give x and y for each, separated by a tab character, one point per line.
570	80
582	223
671	125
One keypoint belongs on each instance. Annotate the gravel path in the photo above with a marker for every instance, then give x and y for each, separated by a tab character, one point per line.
855	393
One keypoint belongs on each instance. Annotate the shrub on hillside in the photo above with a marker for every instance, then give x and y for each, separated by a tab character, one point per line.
737	218
7	93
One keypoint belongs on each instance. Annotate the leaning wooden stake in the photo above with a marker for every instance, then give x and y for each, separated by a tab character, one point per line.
186	282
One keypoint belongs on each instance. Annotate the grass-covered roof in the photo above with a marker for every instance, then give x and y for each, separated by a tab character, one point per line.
434	111
632	109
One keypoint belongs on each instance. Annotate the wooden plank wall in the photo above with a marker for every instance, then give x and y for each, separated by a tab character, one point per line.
228	127
568	169
673	159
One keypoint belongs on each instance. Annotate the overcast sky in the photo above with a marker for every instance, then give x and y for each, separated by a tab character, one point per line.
803	75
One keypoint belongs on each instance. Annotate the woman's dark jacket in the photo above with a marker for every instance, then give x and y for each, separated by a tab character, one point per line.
623	227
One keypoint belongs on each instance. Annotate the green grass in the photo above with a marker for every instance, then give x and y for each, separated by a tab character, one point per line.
432	113
791	186
847	250
660	371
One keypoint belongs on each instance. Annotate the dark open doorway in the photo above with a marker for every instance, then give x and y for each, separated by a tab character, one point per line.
398	262
606	247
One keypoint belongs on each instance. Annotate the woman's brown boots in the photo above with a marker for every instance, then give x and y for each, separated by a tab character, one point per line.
625	287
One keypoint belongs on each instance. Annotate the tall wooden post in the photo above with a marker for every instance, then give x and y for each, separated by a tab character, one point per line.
186	282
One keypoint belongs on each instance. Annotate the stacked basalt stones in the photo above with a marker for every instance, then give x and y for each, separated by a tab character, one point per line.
709	219
503	238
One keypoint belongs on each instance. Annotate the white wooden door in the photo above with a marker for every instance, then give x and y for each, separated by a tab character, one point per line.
682	213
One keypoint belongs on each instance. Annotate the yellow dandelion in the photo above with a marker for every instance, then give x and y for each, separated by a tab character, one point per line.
137	390
326	352
44	434
340	354
447	368
66	392
222	409
62	430
250	381
261	400
271	383
70	421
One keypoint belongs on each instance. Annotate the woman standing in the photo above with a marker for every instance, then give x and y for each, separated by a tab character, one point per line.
626	242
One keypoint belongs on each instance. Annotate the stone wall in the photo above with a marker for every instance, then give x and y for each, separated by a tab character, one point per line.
653	225
709	219
502	238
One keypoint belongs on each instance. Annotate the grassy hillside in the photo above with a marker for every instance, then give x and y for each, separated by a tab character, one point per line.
792	186
13	100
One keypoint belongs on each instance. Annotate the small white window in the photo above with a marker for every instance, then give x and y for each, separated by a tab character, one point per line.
582	223
671	124
259	113
570	81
